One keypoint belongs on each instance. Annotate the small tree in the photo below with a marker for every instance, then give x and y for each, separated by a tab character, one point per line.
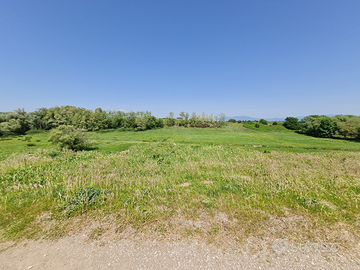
232	120
326	128
263	121
68	137
292	123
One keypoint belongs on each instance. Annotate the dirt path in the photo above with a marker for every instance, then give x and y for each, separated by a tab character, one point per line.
77	252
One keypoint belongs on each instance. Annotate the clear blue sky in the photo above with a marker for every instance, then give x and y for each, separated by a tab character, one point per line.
268	58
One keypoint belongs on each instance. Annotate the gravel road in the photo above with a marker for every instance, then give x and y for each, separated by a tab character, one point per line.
78	252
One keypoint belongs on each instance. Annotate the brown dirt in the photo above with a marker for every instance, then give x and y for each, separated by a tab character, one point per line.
79	252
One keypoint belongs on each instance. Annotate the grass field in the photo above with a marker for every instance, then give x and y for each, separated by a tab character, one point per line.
271	138
187	180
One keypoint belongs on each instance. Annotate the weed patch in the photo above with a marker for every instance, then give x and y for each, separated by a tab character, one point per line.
81	200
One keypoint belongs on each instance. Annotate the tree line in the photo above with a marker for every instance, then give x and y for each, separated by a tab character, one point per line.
195	120
19	121
338	126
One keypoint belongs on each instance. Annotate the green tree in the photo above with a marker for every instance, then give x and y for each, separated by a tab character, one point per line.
159	123
349	128
69	137
263	121
232	120
292	123
326	128
14	122
37	120
318	126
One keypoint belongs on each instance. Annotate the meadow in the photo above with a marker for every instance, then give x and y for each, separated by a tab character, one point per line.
206	182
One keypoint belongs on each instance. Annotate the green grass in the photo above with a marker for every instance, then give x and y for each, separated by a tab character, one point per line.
176	174
274	138
232	135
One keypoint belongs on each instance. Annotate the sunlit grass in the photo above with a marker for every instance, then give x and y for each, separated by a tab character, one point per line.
232	135
162	183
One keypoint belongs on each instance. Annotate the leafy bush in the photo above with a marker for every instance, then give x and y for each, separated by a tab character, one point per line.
292	123
68	137
257	125
82	198
170	121
36	120
274	123
232	120
263	121
318	126
159	123
14	123
347	126
326	128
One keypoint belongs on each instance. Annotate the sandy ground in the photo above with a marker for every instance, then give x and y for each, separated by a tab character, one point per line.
78	252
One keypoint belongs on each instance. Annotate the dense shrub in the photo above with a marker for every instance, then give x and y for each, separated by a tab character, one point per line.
326	128
69	137
292	123
347	126
263	121
201	120
318	126
14	123
232	120
36	119
274	123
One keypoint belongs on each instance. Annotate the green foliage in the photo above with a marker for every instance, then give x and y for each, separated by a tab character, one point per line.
232	120
201	120
170	121
184	116
159	123
347	126
263	121
81	199
274	123
326	128
310	124
14	123
292	123
318	126
36	119
68	137
257	125
100	119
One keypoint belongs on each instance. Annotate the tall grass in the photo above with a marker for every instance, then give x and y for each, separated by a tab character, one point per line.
168	185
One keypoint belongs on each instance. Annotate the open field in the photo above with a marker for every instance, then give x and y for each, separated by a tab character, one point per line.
208	183
275	138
